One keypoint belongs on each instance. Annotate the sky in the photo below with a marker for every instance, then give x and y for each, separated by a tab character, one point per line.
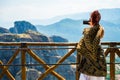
14	10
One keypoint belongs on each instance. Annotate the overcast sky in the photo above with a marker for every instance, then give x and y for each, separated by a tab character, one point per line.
12	10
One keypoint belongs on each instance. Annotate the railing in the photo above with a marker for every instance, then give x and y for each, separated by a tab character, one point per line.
28	47
112	49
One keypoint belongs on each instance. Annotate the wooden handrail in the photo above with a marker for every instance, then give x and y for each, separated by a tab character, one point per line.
50	43
109	43
38	43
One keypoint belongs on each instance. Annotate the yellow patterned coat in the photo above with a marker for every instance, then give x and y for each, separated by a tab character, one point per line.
92	60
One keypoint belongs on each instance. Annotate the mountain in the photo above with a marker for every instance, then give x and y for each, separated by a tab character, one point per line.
71	28
21	27
26	34
67	28
111	14
4	30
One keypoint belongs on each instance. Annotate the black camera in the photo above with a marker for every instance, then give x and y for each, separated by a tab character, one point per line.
86	22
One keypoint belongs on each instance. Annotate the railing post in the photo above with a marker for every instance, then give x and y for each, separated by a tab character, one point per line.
112	62
23	61
77	66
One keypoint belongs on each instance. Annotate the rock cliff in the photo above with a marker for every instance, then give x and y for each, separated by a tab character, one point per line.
21	27
49	56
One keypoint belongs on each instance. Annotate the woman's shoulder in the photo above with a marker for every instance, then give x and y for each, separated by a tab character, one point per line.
101	27
101	32
87	29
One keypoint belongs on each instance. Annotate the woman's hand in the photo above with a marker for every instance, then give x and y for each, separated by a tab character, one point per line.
90	23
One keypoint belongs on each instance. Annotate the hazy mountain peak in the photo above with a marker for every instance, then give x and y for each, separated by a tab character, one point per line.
67	19
21	27
4	30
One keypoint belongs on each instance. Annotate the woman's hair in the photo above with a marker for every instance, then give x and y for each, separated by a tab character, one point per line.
95	17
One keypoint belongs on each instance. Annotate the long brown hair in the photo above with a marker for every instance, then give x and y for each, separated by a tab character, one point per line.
95	17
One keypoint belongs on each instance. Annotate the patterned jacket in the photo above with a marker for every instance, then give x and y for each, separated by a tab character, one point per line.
92	60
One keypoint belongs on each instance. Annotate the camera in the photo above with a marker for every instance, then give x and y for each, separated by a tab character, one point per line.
86	22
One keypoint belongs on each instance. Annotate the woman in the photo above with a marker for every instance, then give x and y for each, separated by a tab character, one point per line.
92	60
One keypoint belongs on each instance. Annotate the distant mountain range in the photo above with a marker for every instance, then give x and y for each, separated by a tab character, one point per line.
71	26
107	14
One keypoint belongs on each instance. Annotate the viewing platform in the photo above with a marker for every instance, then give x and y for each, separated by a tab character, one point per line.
17	57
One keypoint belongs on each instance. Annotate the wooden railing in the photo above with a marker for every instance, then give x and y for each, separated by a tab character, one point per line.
112	49
24	48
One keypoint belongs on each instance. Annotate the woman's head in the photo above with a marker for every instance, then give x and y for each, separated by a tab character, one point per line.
95	17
